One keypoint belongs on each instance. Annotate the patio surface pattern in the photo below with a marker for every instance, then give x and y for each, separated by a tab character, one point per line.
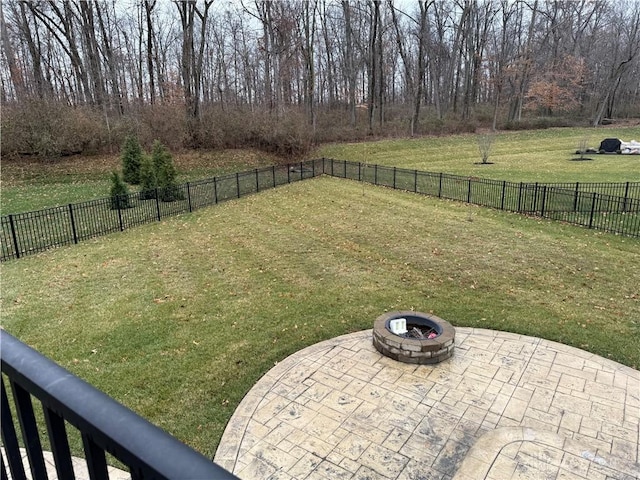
505	406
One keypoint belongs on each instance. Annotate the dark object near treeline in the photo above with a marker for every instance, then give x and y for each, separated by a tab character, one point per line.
610	145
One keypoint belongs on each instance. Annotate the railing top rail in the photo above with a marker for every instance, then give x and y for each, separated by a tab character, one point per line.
118	430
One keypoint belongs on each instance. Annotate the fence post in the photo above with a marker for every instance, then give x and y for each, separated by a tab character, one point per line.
189	196
238	183
535	198
440	186
626	197
73	224
158	204
469	191
520	198
504	188
593	209
359	171
575	197
118	200
215	189
544	198
301	171
332	167
273	175
257	181
14	236
394	178
415	181
375	174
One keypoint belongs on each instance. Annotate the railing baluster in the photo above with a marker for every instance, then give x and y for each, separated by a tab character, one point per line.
96	460
30	434
59	444
3	470
10	439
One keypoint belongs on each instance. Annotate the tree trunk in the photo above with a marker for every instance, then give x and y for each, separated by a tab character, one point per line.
148	8
349	63
309	28
373	63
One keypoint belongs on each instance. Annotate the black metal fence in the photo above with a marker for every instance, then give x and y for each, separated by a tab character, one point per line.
612	207
31	232
104	425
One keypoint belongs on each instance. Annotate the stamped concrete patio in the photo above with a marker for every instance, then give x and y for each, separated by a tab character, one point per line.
505	406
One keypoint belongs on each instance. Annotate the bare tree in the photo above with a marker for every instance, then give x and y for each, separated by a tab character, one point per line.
485	144
192	59
17	79
626	37
414	62
523	69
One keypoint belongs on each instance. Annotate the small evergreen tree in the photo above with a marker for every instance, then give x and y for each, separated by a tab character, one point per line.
148	179
131	160
119	193
165	174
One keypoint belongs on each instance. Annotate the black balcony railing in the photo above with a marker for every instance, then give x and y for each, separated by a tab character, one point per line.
104	424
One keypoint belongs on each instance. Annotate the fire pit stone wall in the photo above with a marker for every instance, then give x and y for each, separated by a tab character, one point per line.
414	350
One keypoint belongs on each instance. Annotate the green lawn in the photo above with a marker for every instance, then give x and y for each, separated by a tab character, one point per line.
526	156
29	184
178	319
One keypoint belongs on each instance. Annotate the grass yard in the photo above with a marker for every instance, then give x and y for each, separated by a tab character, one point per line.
29	184
526	156
178	319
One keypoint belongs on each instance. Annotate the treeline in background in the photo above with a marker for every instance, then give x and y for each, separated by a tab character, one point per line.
78	76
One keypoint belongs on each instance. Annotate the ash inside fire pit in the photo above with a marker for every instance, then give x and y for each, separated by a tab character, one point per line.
419	331
413	337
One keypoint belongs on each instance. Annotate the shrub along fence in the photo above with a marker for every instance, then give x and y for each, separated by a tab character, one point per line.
612	207
32	232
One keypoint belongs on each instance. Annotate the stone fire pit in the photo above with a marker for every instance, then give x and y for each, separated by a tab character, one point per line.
419	338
